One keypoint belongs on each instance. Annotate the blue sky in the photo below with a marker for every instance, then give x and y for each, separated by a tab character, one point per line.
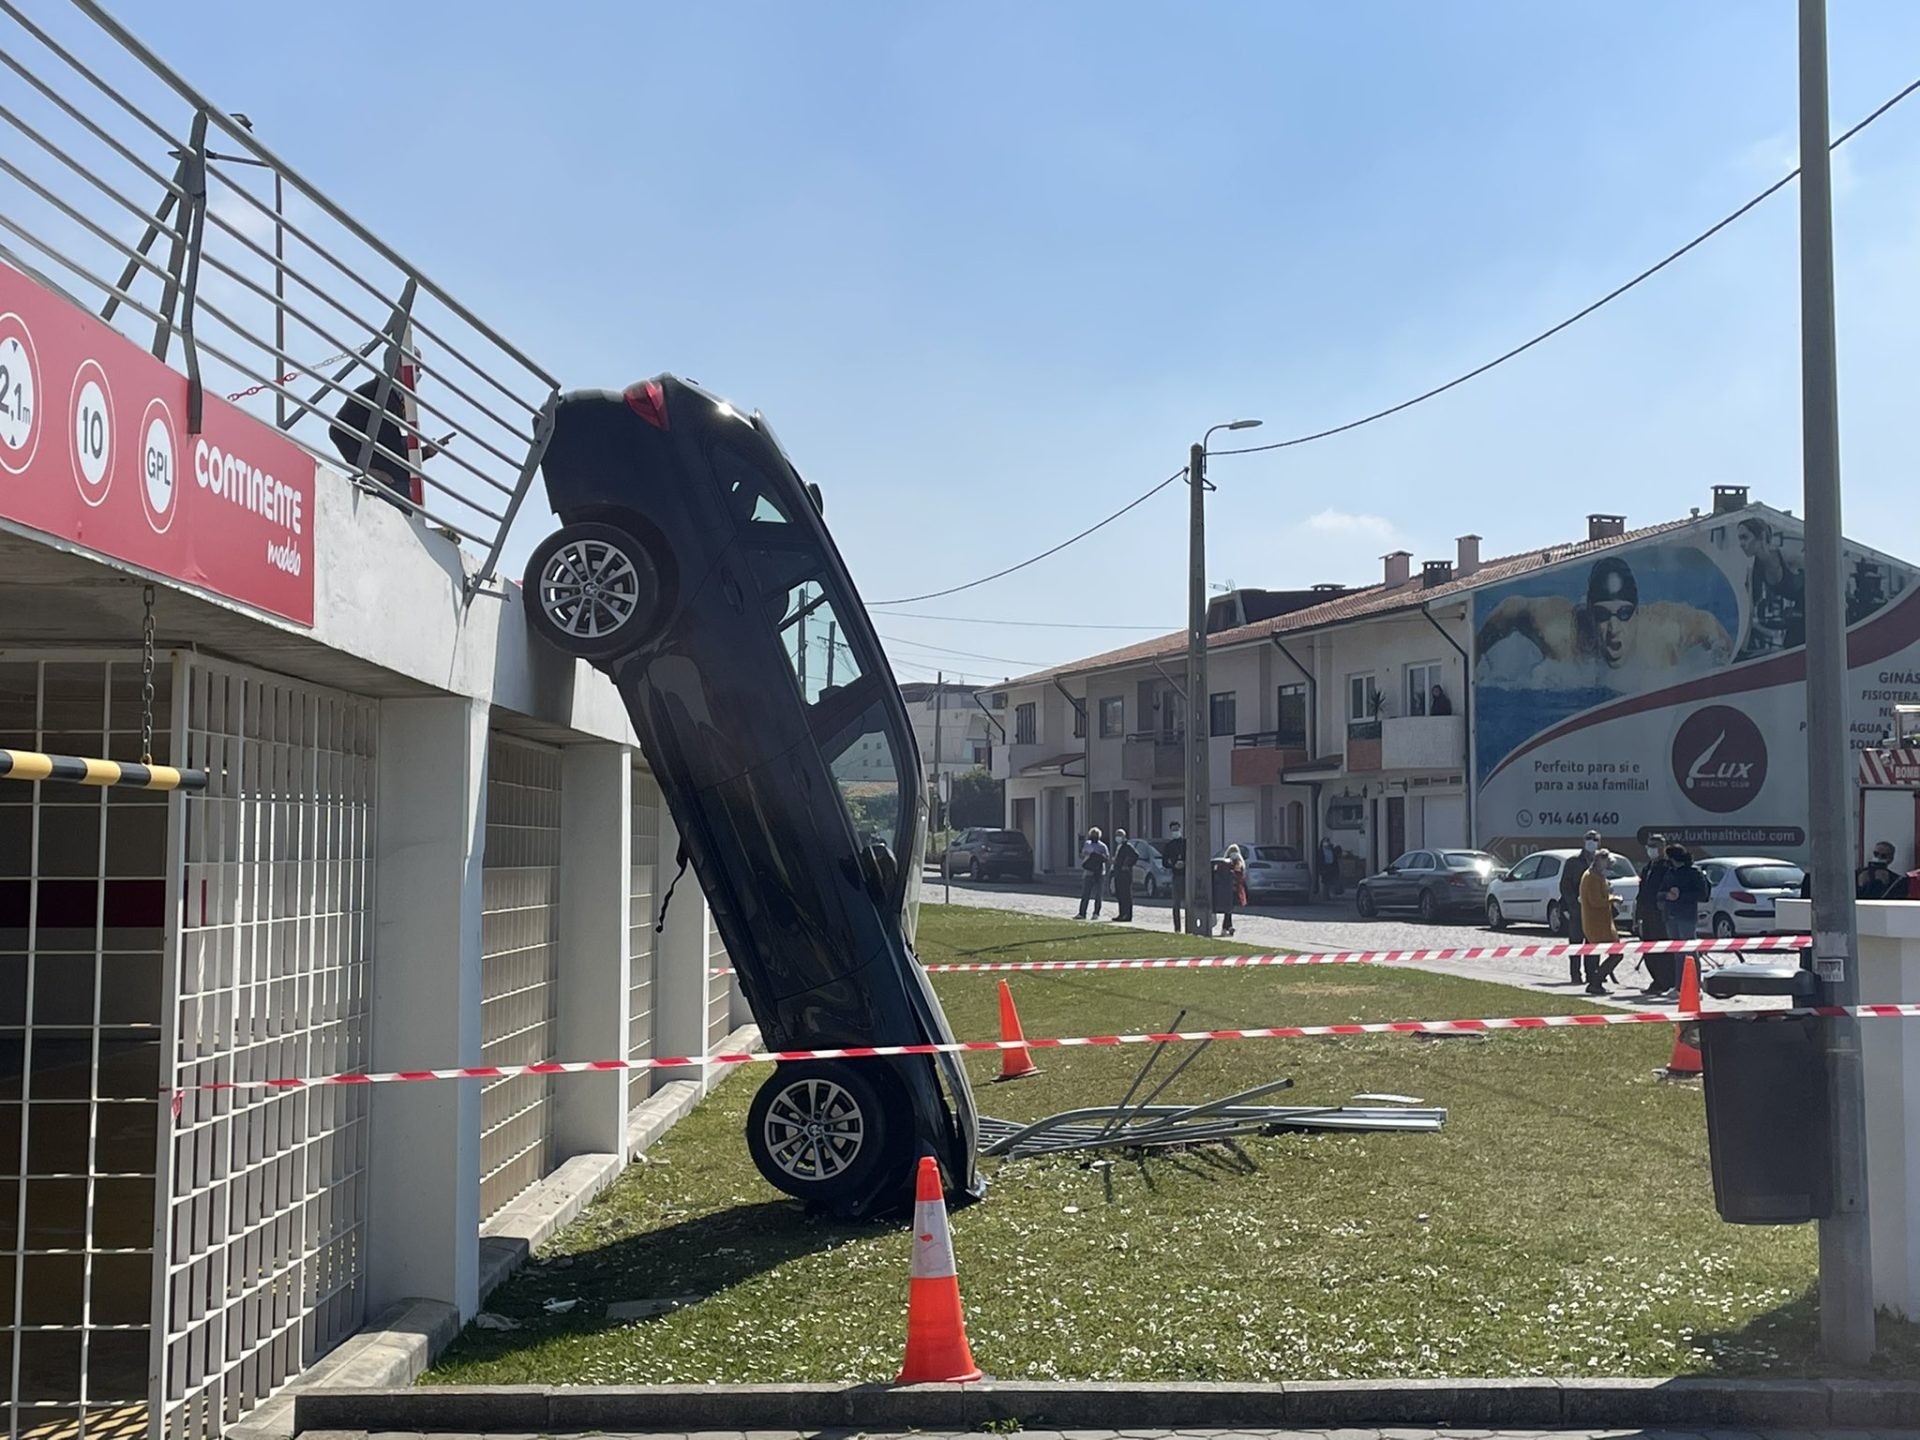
991	269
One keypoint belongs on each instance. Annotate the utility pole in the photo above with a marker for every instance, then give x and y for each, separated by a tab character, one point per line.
939	695
1199	797
800	649
832	645
1846	1284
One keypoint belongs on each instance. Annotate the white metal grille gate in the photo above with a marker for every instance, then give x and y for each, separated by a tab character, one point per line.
719	988
82	945
520	919
264	1258
642	890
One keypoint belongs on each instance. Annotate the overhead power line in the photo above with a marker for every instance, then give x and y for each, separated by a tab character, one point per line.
963	654
1035	560
1437	390
1025	624
1578	315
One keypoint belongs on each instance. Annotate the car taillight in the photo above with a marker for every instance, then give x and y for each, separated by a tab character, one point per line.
1745	897
649	402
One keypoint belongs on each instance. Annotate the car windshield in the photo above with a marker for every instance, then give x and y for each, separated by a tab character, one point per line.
1283	854
1469	860
1771	877
1006	837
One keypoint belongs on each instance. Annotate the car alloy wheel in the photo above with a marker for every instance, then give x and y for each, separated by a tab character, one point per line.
1553	916
1363	902
593	590
823	1131
1429	907
1723	926
1496	917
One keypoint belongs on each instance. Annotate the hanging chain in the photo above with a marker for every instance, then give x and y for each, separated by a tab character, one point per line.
146	683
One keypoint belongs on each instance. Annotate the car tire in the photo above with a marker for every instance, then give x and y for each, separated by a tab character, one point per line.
1363	902
1496	917
853	1161
593	591
1150	889
1429	907
974	872
1723	926
1553	916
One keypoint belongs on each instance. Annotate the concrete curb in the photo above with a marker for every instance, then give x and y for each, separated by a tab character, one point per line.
1476	1404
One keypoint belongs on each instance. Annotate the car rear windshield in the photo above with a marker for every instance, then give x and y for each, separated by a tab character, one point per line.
1284	854
1771	877
1006	837
1468	860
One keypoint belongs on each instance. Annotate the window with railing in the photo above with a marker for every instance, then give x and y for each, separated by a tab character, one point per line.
1223	709
1026	724
1291	714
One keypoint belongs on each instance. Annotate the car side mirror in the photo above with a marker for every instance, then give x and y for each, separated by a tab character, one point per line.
1393	869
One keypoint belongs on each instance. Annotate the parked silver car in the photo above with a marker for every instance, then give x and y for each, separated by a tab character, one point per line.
1277	872
1152	877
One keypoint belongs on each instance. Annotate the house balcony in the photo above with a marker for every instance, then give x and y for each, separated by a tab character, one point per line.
1363	746
1009	760
1259	758
1422	742
1154	755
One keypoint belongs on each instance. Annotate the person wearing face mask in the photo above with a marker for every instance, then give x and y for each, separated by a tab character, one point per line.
1686	891
1650	916
1571	874
1878	880
1596	920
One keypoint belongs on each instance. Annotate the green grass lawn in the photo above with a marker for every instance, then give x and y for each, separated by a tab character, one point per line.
1560	1224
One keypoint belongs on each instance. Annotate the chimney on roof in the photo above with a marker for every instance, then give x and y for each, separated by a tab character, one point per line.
1435	572
1399	567
1729	497
1605	527
1468	559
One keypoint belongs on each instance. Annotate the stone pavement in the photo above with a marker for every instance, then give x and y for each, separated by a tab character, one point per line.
1149	1434
1324	926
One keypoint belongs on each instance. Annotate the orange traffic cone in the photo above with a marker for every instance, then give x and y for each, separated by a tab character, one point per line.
1685	1063
937	1350
1014	1064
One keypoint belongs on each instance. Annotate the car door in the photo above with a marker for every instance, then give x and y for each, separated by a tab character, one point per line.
1544	889
1403	884
1516	891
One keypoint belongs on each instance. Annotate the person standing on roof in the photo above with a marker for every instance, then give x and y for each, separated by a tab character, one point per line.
1174	852
1125	857
1093	868
354	423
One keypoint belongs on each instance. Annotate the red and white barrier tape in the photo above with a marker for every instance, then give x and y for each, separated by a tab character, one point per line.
1761	943
967	1047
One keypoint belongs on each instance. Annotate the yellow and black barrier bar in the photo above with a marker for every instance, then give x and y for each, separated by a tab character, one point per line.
31	765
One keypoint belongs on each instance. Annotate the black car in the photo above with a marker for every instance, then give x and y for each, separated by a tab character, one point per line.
694	567
983	854
1433	882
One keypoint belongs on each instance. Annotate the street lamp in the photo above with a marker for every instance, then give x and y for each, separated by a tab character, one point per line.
1198	798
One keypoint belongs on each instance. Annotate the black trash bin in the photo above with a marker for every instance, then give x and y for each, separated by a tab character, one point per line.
1767	1124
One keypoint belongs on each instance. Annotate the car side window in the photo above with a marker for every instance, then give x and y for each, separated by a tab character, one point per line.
815	643
1549	867
1526	869
745	486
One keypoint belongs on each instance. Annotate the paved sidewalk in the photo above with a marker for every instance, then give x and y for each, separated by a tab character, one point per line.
1329	926
1150	1434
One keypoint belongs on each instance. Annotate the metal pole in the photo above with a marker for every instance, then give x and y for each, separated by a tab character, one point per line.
279	293
939	690
1198	800
1846	1289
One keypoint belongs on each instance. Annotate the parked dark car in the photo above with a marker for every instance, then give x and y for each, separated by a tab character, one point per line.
1433	882
985	854
694	567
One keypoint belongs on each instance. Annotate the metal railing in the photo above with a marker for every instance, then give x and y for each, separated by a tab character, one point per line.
124	189
1271	740
1157	737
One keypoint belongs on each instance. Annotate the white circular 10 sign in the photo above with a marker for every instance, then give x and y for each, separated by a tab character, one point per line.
92	435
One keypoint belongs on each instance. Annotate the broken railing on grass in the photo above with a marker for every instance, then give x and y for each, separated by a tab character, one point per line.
131	194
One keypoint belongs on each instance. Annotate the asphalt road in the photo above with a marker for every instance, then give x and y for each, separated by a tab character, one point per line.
1324	926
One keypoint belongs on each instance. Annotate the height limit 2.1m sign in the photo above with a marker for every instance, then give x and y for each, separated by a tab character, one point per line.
94	449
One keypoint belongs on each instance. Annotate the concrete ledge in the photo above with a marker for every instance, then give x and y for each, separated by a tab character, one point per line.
659	1113
1695	1404
532	1217
394	1350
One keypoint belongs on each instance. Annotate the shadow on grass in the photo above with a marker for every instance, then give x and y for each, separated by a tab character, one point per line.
700	1256
1585	1117
1784	1343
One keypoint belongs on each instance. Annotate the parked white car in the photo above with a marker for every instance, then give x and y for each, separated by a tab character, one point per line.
1530	892
1276	872
1744	889
1152	876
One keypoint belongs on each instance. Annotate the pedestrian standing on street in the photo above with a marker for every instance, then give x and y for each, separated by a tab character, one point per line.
1174	852
1596	921
1093	867
1229	882
1571	874
1878	880
1687	890
1650	915
1329	866
1125	857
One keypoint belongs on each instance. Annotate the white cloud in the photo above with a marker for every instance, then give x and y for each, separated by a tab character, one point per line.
1340	522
